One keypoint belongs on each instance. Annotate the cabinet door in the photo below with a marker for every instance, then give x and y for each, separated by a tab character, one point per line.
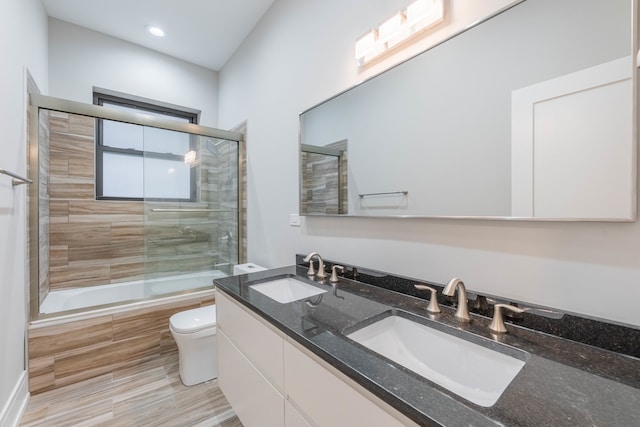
292	418
327	400
256	402
261	345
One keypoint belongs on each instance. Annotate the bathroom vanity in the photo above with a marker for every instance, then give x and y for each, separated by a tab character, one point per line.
300	360
272	381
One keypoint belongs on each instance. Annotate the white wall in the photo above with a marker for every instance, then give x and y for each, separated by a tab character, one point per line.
301	54
23	44
80	59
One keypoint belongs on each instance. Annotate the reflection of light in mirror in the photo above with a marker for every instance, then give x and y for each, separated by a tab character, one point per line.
170	171
418	17
190	157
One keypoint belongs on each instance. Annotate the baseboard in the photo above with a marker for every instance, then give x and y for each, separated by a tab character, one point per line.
14	408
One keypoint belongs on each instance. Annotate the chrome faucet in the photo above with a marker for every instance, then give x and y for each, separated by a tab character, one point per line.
311	272
462	314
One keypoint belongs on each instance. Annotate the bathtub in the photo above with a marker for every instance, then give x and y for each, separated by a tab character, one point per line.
71	299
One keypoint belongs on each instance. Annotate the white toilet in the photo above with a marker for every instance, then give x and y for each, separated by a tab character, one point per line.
195	333
247	268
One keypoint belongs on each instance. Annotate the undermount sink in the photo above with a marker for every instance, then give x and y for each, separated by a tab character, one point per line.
287	289
472	371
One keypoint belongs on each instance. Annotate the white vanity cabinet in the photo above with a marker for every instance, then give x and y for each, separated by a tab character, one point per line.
270	380
293	418
254	399
250	370
326	399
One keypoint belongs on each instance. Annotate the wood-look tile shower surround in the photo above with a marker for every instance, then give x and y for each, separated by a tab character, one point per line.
321	182
93	242
67	353
43	203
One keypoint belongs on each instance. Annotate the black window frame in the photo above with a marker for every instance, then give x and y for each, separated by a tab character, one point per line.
100	99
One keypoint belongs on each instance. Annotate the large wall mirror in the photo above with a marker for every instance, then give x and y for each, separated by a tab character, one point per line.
528	115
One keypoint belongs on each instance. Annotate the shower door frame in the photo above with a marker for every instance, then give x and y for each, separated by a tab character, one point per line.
37	102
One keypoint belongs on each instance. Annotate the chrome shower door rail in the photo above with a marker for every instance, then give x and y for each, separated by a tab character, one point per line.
404	192
191	210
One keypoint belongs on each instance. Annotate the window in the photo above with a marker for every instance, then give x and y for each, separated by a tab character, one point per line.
135	162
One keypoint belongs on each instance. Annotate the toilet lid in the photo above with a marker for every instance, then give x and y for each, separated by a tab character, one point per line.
194	320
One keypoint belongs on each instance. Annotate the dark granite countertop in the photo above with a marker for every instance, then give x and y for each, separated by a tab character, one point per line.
564	383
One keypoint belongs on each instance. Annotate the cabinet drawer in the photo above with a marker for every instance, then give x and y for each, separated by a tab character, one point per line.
261	345
327	400
255	401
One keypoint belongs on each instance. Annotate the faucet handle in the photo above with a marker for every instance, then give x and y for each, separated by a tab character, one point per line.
497	324
334	273
311	271
433	306
309	258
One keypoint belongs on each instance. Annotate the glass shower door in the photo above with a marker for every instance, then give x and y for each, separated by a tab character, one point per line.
190	210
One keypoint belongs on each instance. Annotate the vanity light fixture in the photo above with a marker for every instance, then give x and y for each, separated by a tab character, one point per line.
419	16
154	30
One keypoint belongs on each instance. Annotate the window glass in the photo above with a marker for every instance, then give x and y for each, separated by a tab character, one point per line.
122	135
142	110
125	175
166	141
166	179
142	162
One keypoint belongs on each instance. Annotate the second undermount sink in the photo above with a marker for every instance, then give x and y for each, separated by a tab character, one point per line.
287	289
472	371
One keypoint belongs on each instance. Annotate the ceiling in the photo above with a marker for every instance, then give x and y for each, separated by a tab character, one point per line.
204	32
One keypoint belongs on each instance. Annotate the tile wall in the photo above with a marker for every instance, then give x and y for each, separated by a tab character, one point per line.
43	205
94	242
321	180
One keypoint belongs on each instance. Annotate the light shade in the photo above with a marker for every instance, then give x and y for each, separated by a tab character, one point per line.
366	43
422	14
389	28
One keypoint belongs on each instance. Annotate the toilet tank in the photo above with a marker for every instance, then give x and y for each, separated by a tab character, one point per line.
247	268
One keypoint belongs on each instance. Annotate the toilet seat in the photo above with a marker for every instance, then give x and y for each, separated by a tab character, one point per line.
195	320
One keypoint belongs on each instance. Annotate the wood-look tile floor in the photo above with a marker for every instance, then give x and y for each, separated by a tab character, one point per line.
149	394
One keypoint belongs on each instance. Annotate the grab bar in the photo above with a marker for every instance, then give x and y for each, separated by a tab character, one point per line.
405	192
17	179
190	210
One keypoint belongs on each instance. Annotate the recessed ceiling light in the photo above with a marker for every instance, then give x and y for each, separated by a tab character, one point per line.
156	31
